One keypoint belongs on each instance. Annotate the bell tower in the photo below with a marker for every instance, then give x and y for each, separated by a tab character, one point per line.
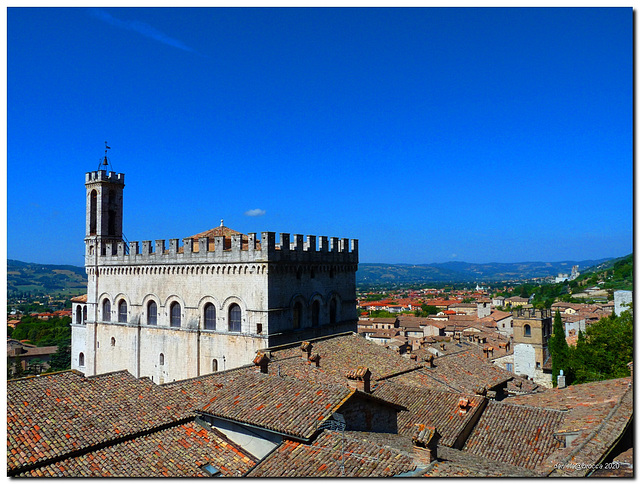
103	208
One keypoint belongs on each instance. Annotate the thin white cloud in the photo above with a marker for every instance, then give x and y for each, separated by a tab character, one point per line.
256	212
139	27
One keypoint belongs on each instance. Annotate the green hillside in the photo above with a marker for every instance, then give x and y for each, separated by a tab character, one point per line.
29	278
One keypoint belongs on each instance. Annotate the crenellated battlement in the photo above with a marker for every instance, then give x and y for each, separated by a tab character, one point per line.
229	249
101	175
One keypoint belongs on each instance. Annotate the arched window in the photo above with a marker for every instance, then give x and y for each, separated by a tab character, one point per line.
93	212
332	312
315	313
106	310
84	314
161	359
297	315
214	365
527	330
81	359
122	311
175	315
235	318
78	315
113	341
111	221
152	313
209	316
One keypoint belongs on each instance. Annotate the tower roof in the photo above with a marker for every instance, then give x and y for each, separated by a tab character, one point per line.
221	231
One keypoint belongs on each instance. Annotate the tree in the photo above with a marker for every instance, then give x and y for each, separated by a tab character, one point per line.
61	359
605	349
18	371
559	349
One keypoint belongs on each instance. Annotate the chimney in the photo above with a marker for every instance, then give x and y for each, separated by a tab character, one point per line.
429	361
463	405
442	346
360	378
561	380
315	359
425	445
262	361
306	350
480	390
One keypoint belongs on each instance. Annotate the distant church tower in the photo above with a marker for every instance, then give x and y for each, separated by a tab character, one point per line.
104	209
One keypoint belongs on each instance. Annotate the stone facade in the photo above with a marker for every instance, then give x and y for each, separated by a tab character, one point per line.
207	304
531	333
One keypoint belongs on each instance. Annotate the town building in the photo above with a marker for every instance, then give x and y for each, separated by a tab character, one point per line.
206	304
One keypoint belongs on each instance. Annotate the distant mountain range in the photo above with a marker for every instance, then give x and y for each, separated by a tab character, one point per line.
25	277
466	271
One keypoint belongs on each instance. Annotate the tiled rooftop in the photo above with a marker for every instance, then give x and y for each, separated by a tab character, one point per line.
325	456
273	402
51	415
178	451
432	408
344	352
600	423
457	463
461	372
515	434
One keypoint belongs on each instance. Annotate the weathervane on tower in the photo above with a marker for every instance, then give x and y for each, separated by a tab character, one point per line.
105	161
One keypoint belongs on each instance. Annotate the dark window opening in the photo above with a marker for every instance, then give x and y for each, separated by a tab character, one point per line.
527	330
209	316
161	359
152	313
175	315
332	312
93	213
297	315
315	314
106	310
235	318
81	359
122	312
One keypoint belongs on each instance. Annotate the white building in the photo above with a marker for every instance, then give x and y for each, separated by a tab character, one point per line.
208	304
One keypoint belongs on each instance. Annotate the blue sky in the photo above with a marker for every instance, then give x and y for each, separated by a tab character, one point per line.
433	134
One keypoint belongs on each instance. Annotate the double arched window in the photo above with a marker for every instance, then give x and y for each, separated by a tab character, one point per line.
174	315
209	316
122	311
235	318
106	310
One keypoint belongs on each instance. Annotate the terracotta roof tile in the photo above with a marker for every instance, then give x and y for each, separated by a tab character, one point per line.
323	458
526	444
429	407
178	451
457	463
